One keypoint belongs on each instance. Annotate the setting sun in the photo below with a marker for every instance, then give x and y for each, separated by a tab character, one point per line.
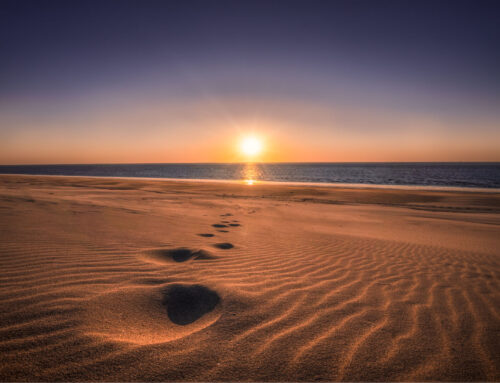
251	146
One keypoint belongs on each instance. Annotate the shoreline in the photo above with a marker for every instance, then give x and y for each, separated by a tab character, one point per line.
281	183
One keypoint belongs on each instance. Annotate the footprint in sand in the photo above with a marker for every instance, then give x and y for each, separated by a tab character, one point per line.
223	231
181	254
207	235
187	304
219	225
224	245
226	215
234	224
149	314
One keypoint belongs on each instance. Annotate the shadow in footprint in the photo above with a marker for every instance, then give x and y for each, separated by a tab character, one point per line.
186	304
234	224
224	245
223	231
219	225
208	235
182	254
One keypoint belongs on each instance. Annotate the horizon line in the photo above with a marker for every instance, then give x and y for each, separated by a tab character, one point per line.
254	162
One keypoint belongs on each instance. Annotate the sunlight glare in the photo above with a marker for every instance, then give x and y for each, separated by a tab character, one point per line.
251	146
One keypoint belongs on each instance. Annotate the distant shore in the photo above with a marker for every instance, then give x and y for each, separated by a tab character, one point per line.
285	183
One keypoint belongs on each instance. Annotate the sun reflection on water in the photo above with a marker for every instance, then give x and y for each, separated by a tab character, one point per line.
250	174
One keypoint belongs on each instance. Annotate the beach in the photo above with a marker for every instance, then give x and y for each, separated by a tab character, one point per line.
154	280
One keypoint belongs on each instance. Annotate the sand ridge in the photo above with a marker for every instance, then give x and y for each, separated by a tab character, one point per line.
108	279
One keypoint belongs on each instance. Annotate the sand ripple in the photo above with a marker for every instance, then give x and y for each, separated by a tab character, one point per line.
89	296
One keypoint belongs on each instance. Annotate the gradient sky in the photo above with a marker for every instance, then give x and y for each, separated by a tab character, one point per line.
182	81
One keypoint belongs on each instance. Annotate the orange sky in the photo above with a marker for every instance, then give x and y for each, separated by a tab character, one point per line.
203	131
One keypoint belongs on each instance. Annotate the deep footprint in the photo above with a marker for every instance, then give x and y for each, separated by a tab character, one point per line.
234	224
224	245
219	225
206	235
182	254
186	304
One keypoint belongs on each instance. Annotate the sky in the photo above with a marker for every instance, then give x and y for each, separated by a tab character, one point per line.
152	81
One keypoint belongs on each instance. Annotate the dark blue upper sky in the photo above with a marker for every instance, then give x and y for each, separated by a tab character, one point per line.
437	57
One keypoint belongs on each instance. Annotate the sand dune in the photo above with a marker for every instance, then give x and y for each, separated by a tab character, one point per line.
114	279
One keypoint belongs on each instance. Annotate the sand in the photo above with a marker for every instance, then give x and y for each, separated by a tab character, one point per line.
145	280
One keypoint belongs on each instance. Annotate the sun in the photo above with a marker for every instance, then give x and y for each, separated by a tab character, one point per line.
251	146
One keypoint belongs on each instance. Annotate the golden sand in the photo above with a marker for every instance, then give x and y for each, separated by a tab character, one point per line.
142	280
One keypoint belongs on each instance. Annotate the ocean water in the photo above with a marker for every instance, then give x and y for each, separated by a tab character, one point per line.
483	175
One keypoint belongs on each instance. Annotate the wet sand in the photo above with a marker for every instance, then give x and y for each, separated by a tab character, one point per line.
146	280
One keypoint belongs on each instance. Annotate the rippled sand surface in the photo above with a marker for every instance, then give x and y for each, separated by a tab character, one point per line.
142	280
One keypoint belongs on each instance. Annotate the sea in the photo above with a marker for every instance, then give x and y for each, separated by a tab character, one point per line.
464	174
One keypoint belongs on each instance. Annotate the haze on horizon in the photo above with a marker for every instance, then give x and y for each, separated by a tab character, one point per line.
183	81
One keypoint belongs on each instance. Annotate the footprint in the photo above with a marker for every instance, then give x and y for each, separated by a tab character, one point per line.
226	215
180	254
219	225
234	224
147	314
208	235
223	231
224	245
187	304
